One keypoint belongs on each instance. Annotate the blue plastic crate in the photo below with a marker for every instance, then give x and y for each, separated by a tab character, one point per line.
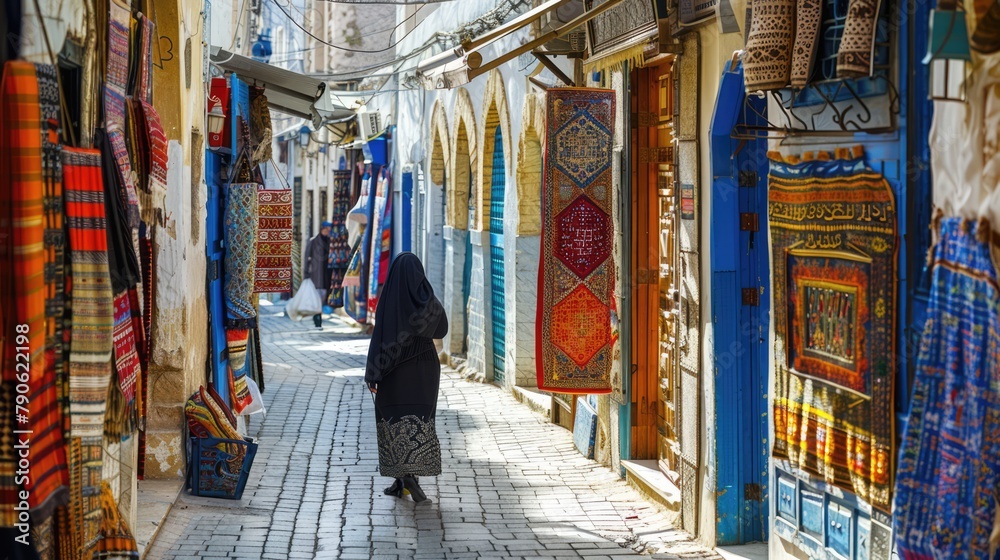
209	473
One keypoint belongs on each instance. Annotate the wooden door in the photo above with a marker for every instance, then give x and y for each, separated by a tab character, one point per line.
654	257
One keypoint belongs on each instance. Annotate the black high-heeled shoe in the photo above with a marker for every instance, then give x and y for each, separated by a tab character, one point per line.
410	484
395	490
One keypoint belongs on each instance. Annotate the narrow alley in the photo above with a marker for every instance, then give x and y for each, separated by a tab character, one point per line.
513	485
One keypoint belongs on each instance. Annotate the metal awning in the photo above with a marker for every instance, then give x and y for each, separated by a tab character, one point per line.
458	66
288	92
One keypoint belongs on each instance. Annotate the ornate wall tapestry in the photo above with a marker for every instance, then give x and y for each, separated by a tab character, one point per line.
833	231
629	20
576	272
273	272
340	248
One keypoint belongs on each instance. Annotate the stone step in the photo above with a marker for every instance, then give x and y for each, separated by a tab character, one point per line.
645	476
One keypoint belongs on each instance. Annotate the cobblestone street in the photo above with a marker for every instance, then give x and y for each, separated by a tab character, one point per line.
513	486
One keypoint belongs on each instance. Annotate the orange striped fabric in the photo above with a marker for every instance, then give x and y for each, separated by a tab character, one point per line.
23	285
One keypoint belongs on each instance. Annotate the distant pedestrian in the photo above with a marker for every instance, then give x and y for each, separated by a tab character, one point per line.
404	373
316	269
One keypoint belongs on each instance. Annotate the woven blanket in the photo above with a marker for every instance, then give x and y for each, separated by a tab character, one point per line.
22	193
91	341
155	155
274	241
576	272
241	253
834	222
115	106
93	311
950	457
48	473
767	63
340	249
857	45
126	355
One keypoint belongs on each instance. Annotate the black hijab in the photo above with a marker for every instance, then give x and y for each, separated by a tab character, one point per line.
407	311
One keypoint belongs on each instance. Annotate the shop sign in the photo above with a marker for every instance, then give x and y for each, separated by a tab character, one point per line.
687	202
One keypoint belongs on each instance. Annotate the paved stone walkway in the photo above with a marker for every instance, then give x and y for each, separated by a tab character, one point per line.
513	485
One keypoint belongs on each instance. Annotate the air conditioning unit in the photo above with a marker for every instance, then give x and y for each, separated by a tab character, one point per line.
573	42
369	123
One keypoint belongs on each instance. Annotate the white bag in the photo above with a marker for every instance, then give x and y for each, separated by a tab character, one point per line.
305	303
256	405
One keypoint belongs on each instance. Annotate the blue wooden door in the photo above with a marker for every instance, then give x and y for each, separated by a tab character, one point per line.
497	188
740	315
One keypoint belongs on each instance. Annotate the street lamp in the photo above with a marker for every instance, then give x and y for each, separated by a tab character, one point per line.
304	137
947	53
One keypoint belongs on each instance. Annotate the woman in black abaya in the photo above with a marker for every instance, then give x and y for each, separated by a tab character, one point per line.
404	373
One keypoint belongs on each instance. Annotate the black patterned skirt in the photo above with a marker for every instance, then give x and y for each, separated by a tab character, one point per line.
405	408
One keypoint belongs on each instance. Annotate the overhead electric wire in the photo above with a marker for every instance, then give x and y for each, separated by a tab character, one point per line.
309	33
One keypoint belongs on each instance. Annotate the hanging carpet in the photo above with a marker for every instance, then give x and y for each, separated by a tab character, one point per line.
834	222
767	62
273	272
857	45
576	271
381	241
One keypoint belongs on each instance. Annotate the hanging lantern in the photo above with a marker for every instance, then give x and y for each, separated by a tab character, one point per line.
218	97
947	54
304	137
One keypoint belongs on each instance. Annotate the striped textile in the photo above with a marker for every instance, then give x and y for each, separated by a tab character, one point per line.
116	540
91	340
23	285
126	357
239	367
273	272
49	476
155	154
115	105
90	284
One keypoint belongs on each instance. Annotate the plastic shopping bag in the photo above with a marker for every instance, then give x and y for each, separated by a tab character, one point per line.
305	303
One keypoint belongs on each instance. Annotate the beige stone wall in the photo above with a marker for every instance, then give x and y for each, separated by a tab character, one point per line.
440	155
464	160
529	165
180	319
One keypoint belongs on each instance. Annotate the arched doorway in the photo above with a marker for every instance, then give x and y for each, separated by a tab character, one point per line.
498	185
460	212
432	201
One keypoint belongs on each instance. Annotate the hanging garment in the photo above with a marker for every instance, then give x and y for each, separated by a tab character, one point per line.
403	365
576	271
121	419
381	241
949	463
340	250
91	343
354	298
273	272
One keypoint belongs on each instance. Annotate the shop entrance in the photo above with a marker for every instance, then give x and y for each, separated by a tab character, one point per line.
497	187
654	323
